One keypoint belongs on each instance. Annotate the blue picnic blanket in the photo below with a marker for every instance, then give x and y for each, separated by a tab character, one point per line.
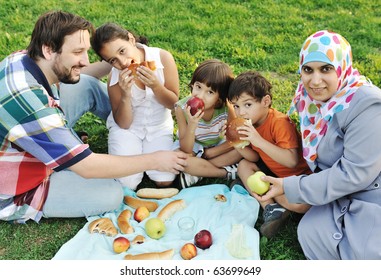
220	218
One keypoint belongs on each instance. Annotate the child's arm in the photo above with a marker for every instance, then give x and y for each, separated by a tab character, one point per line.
186	130
285	157
120	99
97	69
249	154
167	94
213	152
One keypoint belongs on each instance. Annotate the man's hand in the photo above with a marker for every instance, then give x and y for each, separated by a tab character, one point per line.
170	161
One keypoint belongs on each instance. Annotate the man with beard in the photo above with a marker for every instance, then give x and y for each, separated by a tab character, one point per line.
45	170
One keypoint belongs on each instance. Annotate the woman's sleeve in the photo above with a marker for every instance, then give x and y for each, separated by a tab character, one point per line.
356	169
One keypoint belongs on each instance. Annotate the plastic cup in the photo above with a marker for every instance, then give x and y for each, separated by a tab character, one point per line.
186	227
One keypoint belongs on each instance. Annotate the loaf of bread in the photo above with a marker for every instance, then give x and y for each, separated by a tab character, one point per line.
157	193
171	208
137	202
165	255
124	222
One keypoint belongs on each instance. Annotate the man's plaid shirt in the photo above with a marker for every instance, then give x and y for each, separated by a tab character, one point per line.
34	139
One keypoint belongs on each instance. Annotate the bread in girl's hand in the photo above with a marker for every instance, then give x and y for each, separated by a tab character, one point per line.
171	208
165	255
137	202
103	226
157	193
134	66
124	222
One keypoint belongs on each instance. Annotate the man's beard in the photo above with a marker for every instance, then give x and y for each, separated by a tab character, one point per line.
63	74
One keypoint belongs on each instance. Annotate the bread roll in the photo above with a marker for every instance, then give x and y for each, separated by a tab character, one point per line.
139	239
124	222
157	193
165	255
149	64
171	208
137	202
232	135
103	226
220	197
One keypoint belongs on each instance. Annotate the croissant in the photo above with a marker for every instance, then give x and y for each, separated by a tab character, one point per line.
103	226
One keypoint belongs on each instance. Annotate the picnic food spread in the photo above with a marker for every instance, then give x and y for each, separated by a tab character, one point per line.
155	228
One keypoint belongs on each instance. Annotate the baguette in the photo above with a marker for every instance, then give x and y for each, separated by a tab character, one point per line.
157	193
137	202
103	226
124	222
171	208
165	255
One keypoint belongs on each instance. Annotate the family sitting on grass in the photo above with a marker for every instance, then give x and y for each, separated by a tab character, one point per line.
329	172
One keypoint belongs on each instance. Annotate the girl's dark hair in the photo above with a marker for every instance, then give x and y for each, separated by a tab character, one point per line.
51	29
252	83
109	32
215	74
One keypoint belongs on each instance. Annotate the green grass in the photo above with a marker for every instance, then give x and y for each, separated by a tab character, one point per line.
248	35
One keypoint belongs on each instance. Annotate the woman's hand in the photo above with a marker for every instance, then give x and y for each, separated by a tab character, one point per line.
276	188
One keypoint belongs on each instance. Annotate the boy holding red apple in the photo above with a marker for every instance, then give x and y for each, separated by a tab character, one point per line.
274	139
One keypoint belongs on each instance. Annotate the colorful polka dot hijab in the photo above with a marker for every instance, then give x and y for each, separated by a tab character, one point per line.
315	116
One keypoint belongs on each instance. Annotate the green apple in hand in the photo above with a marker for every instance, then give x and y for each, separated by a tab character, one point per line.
155	228
255	183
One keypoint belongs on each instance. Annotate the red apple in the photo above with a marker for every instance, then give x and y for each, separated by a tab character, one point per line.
120	244
195	104
141	213
188	251
203	239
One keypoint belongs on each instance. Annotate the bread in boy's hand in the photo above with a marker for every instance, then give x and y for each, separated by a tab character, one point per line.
232	135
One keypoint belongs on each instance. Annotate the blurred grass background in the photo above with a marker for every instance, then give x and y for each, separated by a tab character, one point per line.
248	35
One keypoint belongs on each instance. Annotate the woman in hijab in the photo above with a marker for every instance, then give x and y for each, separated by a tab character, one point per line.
340	122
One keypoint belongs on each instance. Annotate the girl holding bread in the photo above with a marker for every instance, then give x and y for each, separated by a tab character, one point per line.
202	135
143	87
